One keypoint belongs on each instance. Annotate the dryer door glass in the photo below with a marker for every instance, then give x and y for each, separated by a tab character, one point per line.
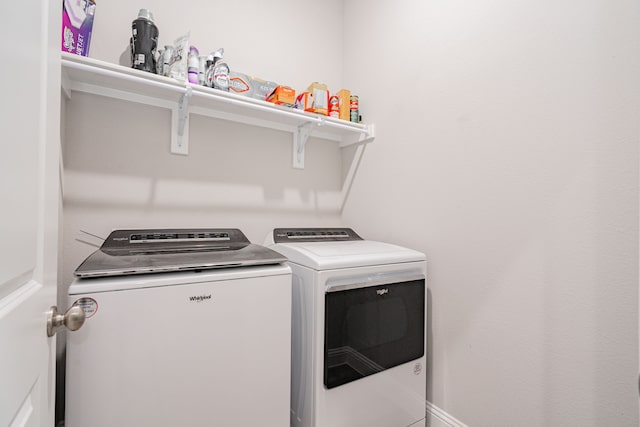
370	329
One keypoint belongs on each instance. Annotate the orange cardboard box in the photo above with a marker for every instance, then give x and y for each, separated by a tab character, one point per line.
319	98
345	98
303	101
282	95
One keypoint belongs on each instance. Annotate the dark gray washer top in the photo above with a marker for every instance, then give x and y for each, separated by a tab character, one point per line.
127	252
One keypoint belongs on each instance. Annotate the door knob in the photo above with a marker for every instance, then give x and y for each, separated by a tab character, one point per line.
73	319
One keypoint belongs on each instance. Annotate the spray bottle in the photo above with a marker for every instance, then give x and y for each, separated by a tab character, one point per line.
218	71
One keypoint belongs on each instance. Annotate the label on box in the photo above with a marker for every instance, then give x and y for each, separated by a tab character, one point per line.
282	95
77	24
262	88
240	83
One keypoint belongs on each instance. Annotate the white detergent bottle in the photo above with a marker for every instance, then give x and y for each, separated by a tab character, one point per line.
220	71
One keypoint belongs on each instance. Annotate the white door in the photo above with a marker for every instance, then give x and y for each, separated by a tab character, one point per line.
29	203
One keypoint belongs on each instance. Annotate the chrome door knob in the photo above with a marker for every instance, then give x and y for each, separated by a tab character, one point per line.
73	319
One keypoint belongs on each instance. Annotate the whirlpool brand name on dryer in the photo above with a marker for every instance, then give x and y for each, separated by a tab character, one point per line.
382	291
199	298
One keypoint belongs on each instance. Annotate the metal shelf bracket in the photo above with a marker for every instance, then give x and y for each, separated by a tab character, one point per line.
300	138
180	125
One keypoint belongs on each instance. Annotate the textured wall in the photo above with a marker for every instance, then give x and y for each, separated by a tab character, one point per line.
507	151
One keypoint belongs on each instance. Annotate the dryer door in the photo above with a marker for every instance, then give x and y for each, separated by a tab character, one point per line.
371	326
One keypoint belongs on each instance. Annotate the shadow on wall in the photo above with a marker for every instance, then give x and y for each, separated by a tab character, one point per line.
126	162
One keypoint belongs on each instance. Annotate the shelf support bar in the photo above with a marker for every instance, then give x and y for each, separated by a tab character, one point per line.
365	137
351	173
180	125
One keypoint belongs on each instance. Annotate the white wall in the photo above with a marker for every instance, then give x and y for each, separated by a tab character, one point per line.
289	42
507	151
119	174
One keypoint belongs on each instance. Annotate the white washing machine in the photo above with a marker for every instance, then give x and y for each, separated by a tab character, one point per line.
205	347
358	330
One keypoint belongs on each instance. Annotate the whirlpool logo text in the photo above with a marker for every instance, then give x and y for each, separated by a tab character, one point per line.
199	298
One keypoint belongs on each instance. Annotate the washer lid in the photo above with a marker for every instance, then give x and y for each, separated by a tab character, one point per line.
355	253
127	252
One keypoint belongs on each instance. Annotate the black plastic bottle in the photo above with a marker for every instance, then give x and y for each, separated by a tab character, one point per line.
144	42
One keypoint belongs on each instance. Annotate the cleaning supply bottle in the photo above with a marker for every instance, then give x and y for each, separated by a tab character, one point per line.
218	71
193	65
144	42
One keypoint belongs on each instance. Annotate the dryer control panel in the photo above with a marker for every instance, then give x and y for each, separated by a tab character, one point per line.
299	235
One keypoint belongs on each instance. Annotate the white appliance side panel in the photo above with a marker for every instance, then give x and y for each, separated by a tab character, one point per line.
303	326
395	397
165	357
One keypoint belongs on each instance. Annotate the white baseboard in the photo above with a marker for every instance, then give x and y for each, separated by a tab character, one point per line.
436	417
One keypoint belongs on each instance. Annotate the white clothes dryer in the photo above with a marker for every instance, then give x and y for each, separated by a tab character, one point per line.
358	329
203	347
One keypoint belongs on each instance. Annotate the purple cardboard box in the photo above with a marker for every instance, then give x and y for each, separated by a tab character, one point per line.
77	22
